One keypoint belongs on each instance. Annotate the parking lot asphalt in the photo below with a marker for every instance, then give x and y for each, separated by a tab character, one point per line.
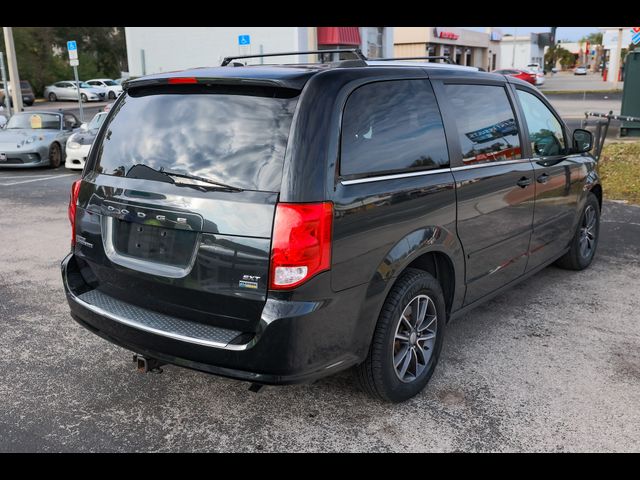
551	365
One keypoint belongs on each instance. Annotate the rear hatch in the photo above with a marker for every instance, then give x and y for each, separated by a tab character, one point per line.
176	209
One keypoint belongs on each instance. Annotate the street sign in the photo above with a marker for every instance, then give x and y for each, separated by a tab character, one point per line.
635	35
72	48
244	40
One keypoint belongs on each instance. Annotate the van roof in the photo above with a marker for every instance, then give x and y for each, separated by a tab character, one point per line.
282	75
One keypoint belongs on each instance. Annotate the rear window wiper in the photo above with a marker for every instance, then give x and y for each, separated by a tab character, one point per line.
200	179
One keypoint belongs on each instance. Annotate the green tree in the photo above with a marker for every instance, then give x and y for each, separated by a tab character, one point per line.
42	53
557	53
594	38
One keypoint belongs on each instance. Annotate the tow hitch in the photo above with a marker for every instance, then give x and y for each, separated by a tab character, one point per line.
147	365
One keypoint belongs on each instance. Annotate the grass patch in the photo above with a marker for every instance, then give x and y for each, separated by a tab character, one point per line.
619	169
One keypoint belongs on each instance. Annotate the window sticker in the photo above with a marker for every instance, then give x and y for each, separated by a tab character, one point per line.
36	121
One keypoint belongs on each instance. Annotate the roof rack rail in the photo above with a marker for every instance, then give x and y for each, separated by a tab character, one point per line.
441	57
355	51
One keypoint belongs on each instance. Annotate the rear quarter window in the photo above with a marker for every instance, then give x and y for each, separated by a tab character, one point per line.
392	126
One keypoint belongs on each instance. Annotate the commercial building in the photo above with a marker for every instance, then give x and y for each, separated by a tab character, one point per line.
161	49
522	50
464	47
585	54
614	39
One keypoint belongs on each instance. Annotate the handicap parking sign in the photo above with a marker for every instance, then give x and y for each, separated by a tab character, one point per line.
71	45
244	40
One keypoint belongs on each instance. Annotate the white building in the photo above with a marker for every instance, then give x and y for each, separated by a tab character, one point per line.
521	50
614	39
161	49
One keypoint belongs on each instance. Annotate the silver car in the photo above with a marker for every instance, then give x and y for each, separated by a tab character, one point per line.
113	89
35	139
68	90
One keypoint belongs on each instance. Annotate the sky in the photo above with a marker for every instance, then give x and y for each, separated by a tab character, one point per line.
563	33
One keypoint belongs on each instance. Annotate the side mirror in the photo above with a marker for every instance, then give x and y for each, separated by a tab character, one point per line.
84	126
582	140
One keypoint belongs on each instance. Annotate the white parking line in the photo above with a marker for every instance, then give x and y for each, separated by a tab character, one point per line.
35	180
17	175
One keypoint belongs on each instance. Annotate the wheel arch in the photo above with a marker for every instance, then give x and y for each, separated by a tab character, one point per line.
434	249
597	191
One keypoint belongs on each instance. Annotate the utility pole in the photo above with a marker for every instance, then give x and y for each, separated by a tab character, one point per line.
16	92
513	57
7	101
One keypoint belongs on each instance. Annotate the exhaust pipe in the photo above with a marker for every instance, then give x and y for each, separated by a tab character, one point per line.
147	365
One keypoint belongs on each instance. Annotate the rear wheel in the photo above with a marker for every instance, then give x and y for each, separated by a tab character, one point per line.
55	155
585	240
112	95
83	97
52	97
408	338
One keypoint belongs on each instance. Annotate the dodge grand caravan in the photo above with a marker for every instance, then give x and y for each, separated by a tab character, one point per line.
279	223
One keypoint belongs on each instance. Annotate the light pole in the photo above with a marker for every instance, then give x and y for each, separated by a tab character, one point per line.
16	92
513	57
7	100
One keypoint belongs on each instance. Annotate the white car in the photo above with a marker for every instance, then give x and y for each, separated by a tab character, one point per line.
580	71
113	89
539	73
79	144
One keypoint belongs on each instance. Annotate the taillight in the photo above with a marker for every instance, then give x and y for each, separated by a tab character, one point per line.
73	201
301	243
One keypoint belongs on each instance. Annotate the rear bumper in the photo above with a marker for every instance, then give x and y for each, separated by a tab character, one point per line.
296	342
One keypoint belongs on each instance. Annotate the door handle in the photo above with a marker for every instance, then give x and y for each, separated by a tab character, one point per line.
543	178
524	181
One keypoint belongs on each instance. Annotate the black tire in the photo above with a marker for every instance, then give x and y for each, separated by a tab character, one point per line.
83	97
53	97
377	375
577	258
55	155
112	95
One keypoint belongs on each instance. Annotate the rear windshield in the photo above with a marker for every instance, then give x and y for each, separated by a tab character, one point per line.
237	139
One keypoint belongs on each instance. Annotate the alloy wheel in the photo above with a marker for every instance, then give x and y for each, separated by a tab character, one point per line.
415	338
55	156
588	232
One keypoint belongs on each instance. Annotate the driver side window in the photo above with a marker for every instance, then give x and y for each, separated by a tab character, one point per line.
545	131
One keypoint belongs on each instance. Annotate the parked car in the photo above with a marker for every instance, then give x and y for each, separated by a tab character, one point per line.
113	89
537	70
68	90
35	139
521	74
79	144
580	71
28	97
302	220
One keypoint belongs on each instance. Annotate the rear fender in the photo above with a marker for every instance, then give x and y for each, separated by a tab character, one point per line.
399	257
